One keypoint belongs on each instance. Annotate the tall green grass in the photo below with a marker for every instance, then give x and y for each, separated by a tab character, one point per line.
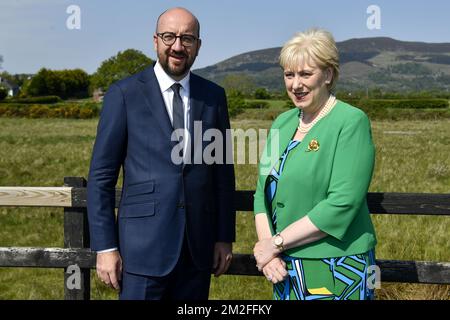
412	156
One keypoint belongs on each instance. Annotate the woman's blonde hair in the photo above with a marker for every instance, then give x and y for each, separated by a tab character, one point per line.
315	44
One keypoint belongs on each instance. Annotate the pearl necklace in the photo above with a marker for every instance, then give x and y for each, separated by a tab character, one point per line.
304	128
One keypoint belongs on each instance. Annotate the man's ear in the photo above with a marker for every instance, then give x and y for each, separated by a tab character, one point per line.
155	42
199	44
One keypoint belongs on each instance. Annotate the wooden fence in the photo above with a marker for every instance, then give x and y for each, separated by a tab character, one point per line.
76	252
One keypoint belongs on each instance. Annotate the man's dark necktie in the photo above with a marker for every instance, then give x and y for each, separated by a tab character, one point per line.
178	110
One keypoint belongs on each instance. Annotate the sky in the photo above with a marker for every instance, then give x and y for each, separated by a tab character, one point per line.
34	33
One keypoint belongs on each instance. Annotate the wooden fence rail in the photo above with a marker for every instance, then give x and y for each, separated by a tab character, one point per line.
76	252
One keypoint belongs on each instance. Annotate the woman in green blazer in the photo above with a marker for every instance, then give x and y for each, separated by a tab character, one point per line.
315	236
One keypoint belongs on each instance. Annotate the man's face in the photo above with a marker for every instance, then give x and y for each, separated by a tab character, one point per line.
177	59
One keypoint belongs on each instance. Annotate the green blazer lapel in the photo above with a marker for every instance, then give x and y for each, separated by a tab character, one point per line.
287	131
277	142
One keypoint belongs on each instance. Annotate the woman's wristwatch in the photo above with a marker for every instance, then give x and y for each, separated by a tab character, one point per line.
278	241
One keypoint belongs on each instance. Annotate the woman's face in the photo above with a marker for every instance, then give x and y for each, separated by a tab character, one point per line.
307	86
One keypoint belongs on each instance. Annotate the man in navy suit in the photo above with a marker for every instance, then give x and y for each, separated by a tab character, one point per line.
176	218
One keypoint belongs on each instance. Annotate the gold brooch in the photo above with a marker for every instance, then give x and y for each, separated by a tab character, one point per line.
313	145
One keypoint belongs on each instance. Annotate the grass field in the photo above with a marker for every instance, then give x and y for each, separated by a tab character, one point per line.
412	156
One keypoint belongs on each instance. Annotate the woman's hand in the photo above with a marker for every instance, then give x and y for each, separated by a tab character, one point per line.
264	251
275	270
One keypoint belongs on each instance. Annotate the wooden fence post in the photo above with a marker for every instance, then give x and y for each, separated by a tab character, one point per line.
77	281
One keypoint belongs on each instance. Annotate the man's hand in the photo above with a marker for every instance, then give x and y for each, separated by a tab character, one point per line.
109	268
223	253
275	270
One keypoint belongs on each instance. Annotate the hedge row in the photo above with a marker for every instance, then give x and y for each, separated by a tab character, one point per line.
257	105
35	100
400	103
370	104
74	111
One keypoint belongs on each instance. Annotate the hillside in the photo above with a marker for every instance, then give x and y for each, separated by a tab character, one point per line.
382	62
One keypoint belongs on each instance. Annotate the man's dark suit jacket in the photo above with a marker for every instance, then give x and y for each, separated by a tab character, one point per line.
161	201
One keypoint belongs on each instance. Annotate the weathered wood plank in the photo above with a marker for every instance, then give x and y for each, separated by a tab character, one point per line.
79	197
35	196
426	272
415	271
76	235
409	203
379	203
46	257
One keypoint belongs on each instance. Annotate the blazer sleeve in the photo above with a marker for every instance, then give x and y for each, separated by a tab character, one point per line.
350	179
107	157
224	179
259	201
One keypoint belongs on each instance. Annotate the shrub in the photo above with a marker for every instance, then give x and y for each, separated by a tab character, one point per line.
3	93
13	110
63	83
352	101
262	93
404	103
56	112
257	105
38	111
37	100
89	110
236	102
74	111
71	111
289	104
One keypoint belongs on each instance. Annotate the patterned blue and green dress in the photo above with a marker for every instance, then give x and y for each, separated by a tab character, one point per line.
336	278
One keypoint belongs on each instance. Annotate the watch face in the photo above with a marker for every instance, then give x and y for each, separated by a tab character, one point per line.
278	241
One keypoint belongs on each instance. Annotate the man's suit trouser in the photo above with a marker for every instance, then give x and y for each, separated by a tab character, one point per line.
184	282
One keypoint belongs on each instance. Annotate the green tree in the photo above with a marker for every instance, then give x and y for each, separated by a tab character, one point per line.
37	85
7	76
3	93
122	65
76	83
239	82
262	93
236	102
62	83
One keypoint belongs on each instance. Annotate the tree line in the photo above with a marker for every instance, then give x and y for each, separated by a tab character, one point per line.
76	83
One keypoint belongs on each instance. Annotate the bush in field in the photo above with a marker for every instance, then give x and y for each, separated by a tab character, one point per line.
239	82
3	93
289	104
262	93
236	102
404	103
89	110
38	111
73	111
257	105
36	100
12	110
61	83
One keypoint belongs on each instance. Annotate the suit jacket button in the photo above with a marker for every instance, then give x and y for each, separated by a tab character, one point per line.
280	205
181	205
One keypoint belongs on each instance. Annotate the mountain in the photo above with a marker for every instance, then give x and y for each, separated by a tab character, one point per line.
381	62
